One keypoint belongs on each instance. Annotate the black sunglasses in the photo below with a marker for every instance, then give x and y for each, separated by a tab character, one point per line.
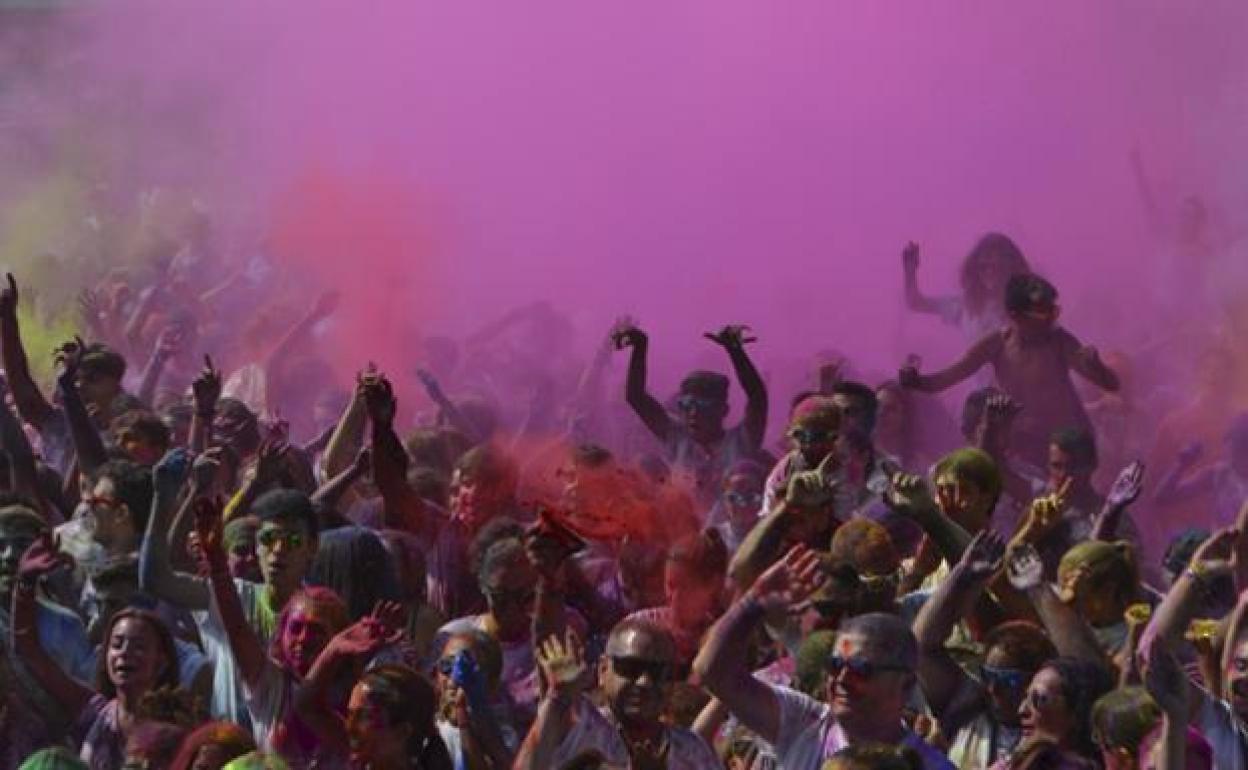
863	669
633	669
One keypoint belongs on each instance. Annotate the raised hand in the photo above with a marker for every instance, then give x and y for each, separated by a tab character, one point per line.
812	489
1026	571
269	459
379	401
789	582
205	468
628	335
563	664
389	619
361	639
1045	512
8	298
908	495
90	308
1128	486
910	258
208	527
731	337
172	469
42	558
982	558
206	389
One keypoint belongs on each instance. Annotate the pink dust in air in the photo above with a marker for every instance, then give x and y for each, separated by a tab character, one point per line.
690	163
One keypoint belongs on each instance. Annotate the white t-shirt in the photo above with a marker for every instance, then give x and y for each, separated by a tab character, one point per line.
228	701
809	735
593	730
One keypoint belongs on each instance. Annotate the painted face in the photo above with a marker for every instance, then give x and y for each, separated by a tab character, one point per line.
1044	713
14	541
304	637
510	591
636	674
1036	320
133	660
963	501
866	687
372	738
285	550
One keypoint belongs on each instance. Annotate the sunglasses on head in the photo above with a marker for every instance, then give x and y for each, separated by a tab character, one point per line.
1005	678
271	537
633	669
863	669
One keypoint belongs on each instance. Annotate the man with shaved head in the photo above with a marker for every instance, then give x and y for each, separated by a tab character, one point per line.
871	670
636	675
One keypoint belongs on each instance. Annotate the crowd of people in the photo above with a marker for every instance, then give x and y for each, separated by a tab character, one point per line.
226	561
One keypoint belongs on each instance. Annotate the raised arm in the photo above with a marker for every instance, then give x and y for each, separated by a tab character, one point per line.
1144	187
402	507
908	495
88	444
734	339
156	573
41	559
31	405
14	442
1071	635
205	392
1166	682
722	665
972	361
331	492
168	344
645	405
1210	561
993	436
810	493
563	668
915	299
939	675
245	644
1125	491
